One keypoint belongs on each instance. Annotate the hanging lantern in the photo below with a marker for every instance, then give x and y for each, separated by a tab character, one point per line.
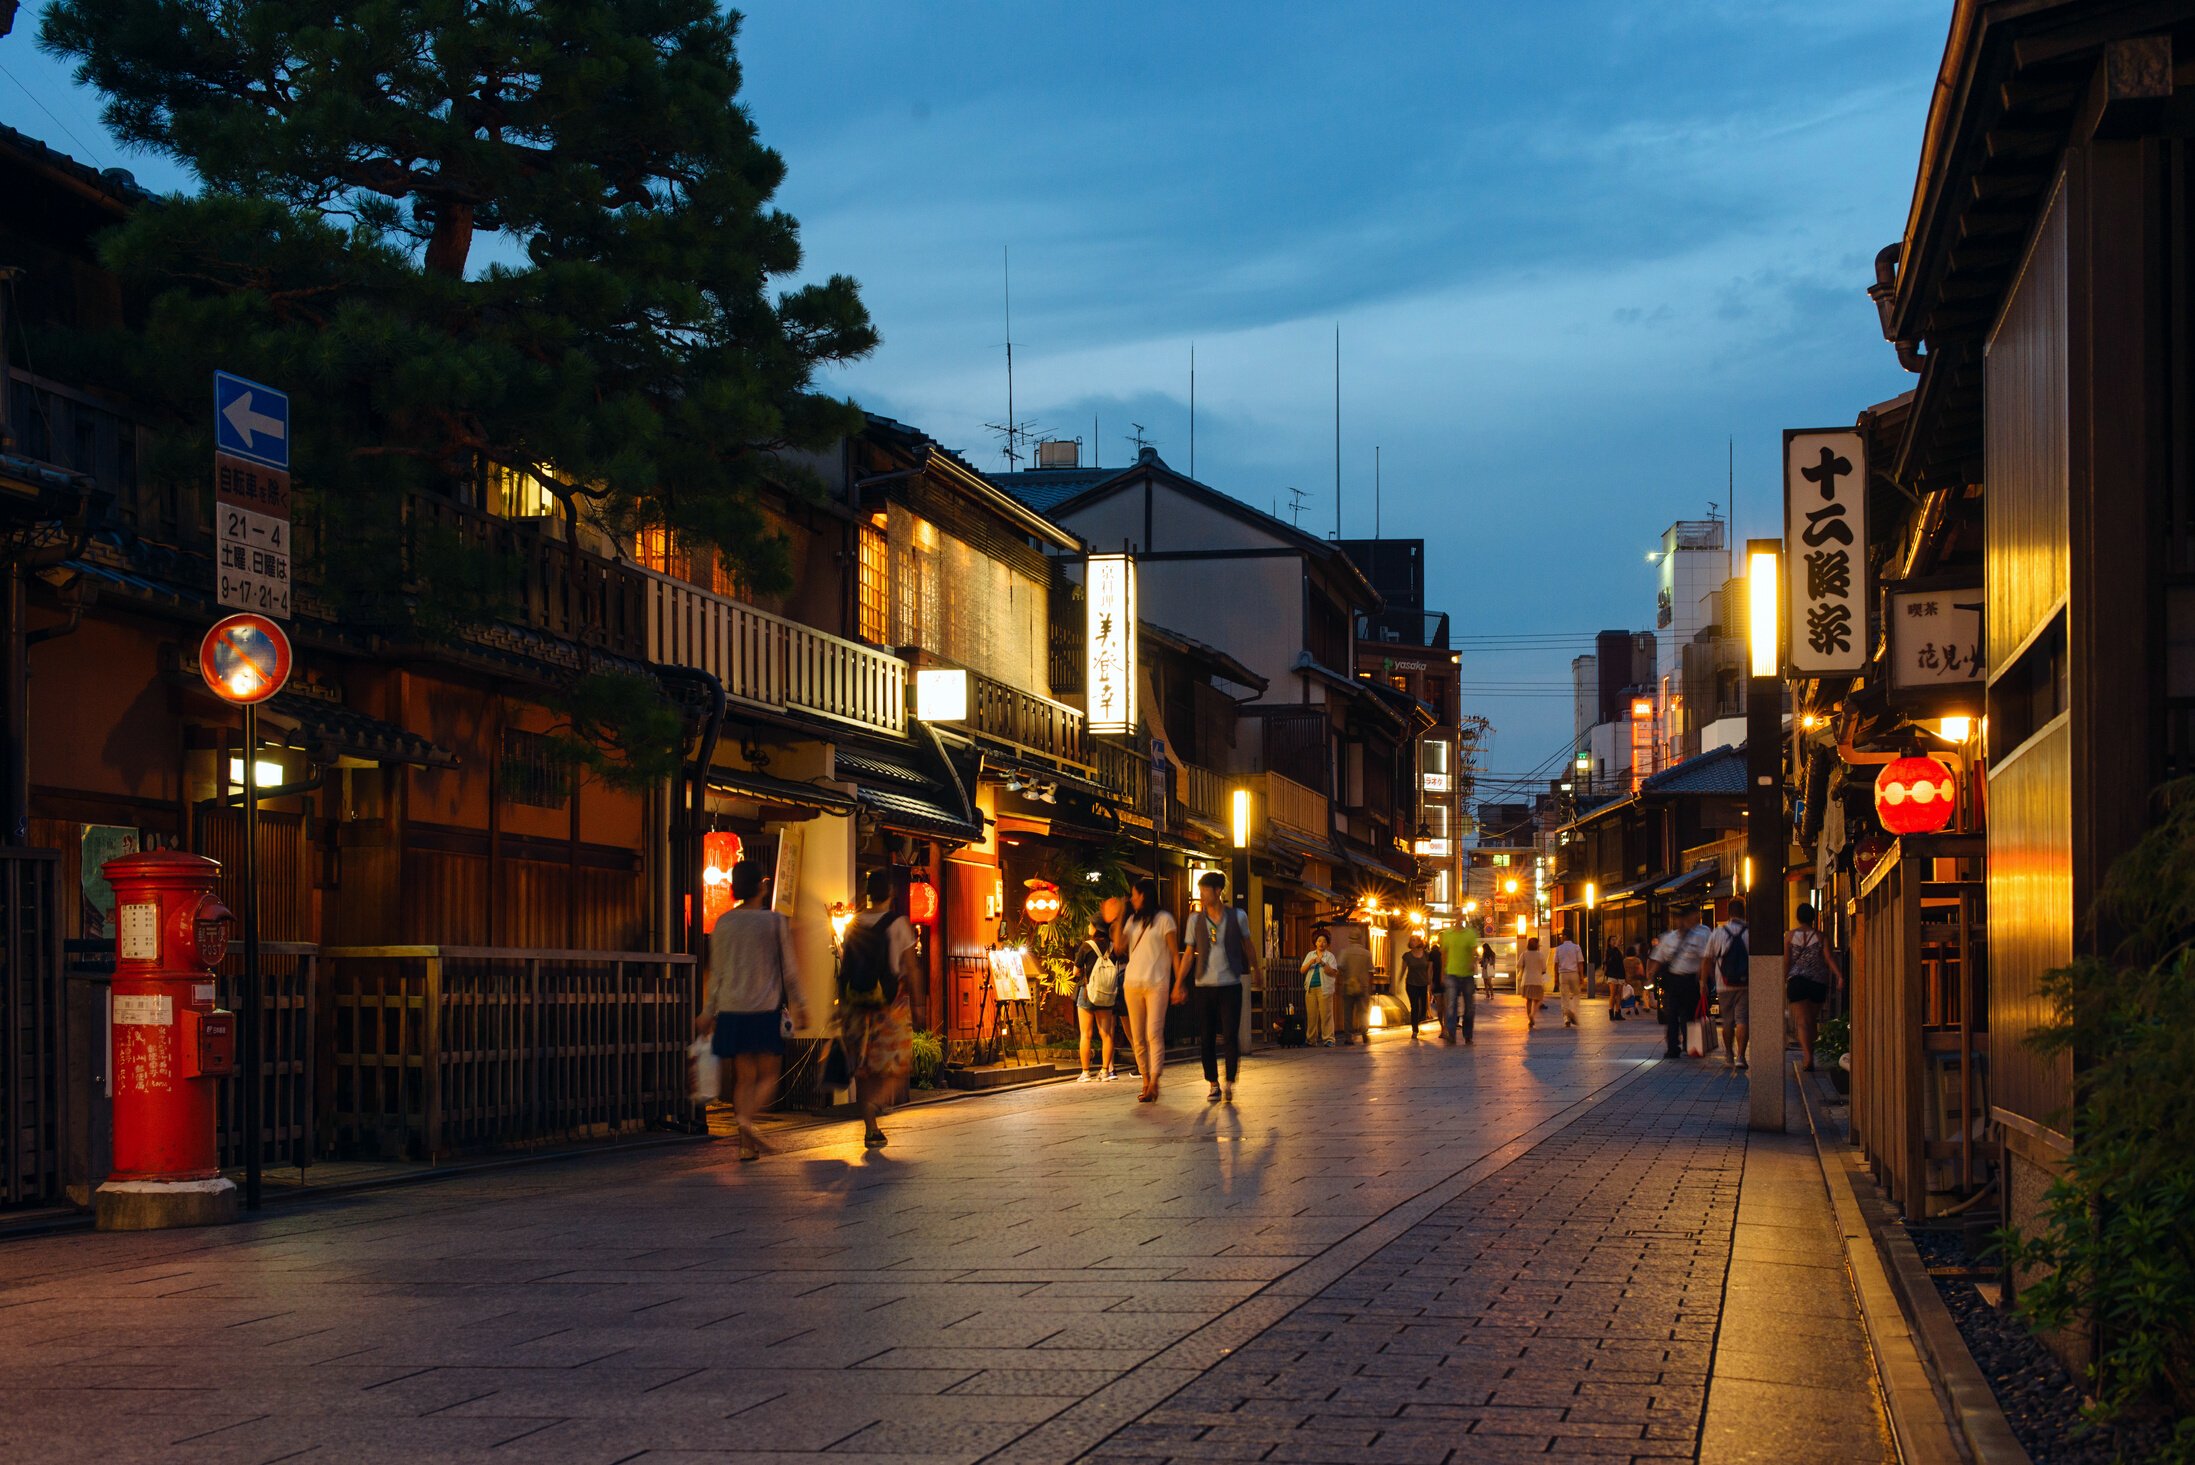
719	852
921	901
1915	795
1043	903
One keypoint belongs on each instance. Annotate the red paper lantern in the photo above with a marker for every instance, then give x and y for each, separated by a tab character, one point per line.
1916	795
1043	904
719	852
921	901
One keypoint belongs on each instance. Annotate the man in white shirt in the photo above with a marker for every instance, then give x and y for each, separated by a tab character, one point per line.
1729	995
1569	977
1675	964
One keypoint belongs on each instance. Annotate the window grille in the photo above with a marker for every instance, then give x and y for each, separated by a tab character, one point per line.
532	773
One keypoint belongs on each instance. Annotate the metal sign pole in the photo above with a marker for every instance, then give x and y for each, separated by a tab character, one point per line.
250	1002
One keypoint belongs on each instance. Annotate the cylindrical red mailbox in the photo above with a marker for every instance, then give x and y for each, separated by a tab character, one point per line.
171	1042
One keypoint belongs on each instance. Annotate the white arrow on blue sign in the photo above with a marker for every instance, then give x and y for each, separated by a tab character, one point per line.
251	421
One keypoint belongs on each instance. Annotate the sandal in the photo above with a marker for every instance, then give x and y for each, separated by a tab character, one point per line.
875	1141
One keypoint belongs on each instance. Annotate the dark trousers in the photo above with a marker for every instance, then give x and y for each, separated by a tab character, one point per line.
1680	1004
1219	1019
1417	1007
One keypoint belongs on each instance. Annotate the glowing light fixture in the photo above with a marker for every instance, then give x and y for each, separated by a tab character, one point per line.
1510	885
1955	729
841	918
941	694
1240	823
1592	894
1761	602
265	774
1109	641
1375	1018
1043	904
1748	874
1523	924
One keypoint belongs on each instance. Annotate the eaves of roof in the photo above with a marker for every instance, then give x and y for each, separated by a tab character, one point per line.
1212	656
1323	551
948	465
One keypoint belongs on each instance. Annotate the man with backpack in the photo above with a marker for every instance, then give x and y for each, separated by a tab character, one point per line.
1730	959
1220	962
879	983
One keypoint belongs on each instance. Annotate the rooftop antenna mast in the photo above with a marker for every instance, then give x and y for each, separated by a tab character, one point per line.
1137	437
1337	429
1297	498
1375	490
1732	496
1012	428
1192	409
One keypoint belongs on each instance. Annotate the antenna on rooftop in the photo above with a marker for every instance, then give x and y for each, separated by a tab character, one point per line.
1192	409
1297	498
1137	437
1012	428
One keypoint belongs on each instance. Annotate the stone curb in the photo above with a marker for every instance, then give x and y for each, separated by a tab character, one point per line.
1941	1408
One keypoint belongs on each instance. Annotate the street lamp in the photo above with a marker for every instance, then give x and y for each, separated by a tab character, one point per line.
1765	836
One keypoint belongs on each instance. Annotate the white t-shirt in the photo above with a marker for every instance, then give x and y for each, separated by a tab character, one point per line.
1319	968
1532	967
1569	959
1682	952
1717	944
1148	965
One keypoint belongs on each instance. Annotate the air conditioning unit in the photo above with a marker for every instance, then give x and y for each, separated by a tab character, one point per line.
1060	453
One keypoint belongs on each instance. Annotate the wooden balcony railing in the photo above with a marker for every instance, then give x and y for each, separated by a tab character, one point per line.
1123	772
765	660
1203	793
1291	805
1027	721
537	579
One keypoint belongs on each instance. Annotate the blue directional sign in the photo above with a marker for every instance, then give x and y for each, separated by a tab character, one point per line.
251	421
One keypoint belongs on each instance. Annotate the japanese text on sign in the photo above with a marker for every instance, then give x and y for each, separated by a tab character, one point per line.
1825	547
1935	638
1110	635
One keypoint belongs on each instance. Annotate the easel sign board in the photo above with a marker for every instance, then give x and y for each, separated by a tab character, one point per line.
1010	976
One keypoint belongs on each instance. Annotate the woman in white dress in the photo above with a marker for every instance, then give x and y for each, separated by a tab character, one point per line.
1532	977
1147	940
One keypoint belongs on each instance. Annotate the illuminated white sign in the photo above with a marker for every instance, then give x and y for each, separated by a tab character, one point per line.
941	694
1110	640
1825	551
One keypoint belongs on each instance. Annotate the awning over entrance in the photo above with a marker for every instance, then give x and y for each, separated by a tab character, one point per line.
1692	882
332	733
783	793
894	785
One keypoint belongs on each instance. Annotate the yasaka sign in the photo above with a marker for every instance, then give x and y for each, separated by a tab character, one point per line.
1825	550
1109	636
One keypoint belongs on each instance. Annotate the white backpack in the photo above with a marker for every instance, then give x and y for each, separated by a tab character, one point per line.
1104	979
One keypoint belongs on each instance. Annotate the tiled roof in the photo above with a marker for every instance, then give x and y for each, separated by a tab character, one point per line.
1719	772
1045	489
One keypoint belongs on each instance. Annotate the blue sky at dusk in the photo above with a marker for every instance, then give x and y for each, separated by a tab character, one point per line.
1572	246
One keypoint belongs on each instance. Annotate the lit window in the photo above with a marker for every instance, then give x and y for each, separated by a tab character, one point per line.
875	586
516	493
655	549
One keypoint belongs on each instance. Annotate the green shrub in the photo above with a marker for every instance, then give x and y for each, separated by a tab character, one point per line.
929	1057
1832	1040
2115	1251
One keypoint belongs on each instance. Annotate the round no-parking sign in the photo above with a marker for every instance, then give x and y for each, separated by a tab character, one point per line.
245	659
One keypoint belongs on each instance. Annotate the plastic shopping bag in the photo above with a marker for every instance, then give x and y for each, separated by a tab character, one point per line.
1695	1038
707	1070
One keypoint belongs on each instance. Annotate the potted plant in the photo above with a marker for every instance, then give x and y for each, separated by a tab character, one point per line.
1833	1047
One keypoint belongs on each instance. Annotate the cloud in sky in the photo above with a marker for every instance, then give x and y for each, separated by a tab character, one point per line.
1572	247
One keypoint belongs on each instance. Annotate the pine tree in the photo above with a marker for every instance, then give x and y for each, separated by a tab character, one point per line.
535	233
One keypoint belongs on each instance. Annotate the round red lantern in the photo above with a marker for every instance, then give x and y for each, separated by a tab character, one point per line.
719	852
921	901
1915	795
1043	904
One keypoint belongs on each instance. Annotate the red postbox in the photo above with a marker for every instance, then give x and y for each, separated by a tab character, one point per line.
171	1042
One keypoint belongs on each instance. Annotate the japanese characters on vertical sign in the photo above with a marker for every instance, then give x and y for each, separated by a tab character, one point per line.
1825	550
1935	638
1109	637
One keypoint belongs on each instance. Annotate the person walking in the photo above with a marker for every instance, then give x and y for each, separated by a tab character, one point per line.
1486	969
1459	952
1570	973
1148	940
1221	965
1097	999
1532	980
1728	964
1613	971
1321	970
1634	979
1417	979
879	986
754	979
1675	964
1356	992
1812	967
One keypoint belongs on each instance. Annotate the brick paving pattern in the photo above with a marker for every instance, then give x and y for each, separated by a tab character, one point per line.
1567	1304
1374	1253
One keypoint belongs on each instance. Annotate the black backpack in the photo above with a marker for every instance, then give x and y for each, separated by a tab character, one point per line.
865	975
1735	968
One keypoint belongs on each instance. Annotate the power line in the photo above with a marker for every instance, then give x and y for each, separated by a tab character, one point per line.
39	103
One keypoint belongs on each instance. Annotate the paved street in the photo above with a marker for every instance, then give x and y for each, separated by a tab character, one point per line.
1560	1245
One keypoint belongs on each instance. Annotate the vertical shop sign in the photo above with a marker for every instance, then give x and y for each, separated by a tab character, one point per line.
1110	638
1825	550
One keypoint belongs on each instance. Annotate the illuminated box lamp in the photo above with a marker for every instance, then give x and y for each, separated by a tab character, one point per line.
941	694
1109	644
